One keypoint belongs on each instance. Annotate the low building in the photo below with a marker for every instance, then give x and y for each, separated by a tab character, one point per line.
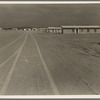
43	29
27	29
80	29
54	29
15	29
34	29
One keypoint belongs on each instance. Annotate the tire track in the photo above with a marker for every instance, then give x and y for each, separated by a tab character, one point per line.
11	43
7	80
8	58
53	85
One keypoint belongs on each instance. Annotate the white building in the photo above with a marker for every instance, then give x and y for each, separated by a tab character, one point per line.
54	29
43	29
80	29
15	29
34	29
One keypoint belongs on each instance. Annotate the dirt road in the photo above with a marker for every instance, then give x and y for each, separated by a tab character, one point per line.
36	63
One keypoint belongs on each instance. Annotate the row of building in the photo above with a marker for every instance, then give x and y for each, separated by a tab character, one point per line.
25	29
74	29
64	29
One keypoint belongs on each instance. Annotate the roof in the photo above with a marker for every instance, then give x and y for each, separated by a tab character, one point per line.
42	28
92	26
54	27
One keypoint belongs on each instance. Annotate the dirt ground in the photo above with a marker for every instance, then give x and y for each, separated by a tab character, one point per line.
73	60
38	63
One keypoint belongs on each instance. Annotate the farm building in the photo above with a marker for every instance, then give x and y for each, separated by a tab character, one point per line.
28	29
34	29
43	29
80	29
15	29
54	30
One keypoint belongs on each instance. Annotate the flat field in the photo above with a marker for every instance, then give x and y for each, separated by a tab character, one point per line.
37	63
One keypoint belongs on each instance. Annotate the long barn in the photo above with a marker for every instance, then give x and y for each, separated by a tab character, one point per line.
80	29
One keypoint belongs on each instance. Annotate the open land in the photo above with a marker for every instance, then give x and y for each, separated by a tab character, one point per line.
39	63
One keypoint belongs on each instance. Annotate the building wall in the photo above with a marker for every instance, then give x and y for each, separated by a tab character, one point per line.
50	31
83	31
92	31
89	31
54	31
59	31
68	31
79	31
98	31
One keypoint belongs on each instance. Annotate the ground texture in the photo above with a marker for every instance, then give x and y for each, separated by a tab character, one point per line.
37	63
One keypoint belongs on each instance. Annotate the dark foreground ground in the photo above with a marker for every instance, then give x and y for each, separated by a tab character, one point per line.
36	63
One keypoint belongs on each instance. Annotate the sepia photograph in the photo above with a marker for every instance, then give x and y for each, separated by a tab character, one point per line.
49	49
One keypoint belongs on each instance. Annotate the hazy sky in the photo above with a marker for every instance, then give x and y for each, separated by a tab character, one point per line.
49	15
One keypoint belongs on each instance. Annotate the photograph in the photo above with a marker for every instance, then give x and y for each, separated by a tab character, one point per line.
50	49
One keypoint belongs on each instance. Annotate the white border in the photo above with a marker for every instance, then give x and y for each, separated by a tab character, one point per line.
49	2
49	96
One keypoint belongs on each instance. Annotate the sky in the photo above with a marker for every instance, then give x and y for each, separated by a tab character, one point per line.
44	15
